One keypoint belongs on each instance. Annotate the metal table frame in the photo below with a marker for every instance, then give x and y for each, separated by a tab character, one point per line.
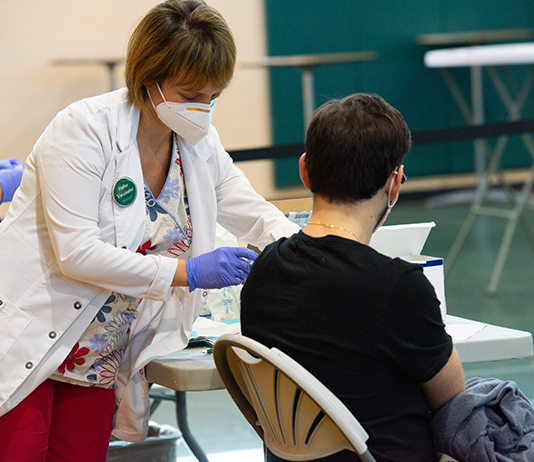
188	370
306	64
488	159
472	38
110	63
180	406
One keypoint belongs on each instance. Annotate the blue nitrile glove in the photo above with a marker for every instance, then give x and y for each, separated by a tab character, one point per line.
225	266
10	175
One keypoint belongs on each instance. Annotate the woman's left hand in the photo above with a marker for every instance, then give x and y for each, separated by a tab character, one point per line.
10	175
225	266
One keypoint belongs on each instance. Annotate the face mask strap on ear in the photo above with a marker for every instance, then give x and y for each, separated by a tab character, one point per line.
150	98
161	93
396	172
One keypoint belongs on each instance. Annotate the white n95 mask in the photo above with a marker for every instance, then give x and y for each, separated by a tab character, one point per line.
191	121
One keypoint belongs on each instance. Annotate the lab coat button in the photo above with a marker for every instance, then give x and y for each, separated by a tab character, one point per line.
77	305
124	247
1	302
29	365
52	334
205	293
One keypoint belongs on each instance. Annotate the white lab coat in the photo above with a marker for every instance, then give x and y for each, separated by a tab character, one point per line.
65	244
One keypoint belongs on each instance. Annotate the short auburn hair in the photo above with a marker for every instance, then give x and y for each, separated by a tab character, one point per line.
185	41
353	145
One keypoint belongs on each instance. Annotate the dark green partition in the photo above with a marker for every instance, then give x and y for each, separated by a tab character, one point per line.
388	27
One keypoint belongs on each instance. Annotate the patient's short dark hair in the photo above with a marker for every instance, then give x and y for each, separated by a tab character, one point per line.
353	145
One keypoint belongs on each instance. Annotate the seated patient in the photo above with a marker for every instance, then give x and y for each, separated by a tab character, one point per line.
368	326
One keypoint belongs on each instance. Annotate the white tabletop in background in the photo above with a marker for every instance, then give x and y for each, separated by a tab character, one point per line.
482	55
312	60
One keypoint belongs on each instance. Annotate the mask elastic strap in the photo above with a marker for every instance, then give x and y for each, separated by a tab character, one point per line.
161	93
150	98
396	172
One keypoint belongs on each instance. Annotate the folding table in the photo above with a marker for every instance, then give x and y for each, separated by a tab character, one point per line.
471	38
306	64
489	57
181	372
110	63
194	370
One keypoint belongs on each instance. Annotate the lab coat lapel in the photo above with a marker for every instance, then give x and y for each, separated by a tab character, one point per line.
199	183
129	220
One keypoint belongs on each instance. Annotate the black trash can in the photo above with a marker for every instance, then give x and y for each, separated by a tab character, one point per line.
160	446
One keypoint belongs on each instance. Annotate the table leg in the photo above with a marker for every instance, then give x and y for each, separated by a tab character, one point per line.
515	216
477	108
181	418
308	95
111	65
487	164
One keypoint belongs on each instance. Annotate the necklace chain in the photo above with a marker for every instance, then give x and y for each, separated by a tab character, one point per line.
327	225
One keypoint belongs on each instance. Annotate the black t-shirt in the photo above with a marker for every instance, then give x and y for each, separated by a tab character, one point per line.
367	326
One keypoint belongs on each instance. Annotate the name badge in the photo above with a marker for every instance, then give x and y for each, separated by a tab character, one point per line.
124	191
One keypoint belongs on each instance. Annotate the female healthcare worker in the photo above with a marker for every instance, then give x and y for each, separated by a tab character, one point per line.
109	235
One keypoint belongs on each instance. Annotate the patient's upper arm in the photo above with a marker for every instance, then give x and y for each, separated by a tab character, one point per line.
446	384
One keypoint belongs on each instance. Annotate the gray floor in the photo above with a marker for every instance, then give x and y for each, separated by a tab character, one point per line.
215	421
219	427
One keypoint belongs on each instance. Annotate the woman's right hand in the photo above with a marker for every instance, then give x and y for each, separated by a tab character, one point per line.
225	266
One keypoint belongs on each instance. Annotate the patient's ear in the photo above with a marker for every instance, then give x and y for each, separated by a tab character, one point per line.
397	181
303	171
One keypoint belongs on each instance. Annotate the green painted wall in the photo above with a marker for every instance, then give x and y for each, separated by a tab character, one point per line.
388	27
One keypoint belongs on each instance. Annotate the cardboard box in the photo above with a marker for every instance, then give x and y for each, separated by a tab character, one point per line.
433	270
406	242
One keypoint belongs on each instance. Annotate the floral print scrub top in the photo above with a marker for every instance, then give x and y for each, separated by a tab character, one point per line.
96	357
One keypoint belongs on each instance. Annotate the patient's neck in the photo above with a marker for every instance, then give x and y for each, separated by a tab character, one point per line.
357	220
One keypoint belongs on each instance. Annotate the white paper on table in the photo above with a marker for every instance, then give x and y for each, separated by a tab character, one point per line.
204	327
463	331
